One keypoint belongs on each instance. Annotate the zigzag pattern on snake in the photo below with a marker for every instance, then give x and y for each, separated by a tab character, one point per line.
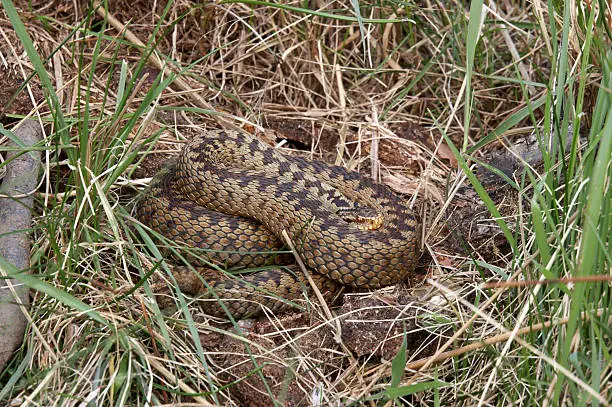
232	196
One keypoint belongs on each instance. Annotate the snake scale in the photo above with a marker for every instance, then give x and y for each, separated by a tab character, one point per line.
231	196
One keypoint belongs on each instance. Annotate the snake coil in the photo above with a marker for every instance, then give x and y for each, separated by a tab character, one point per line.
232	196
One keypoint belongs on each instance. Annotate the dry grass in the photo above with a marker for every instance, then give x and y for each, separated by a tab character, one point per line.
375	98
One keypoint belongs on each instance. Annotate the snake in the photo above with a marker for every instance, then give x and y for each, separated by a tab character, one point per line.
235	201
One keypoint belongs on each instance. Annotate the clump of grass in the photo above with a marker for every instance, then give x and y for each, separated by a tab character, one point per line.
469	77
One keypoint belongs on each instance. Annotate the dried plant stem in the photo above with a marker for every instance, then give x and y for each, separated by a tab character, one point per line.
489	341
161	65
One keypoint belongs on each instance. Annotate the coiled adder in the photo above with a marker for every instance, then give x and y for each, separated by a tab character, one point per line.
231	196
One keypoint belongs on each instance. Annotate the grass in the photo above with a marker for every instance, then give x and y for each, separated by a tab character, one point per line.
468	79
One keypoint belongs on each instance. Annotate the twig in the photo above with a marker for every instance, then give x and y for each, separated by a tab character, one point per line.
374	146
489	341
313	285
342	100
527	283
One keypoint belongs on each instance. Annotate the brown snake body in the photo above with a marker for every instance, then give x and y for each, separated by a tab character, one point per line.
232	195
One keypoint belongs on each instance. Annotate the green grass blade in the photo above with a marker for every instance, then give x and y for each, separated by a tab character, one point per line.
509	123
482	193
403	391
39	67
38	285
472	40
398	364
356	8
592	243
